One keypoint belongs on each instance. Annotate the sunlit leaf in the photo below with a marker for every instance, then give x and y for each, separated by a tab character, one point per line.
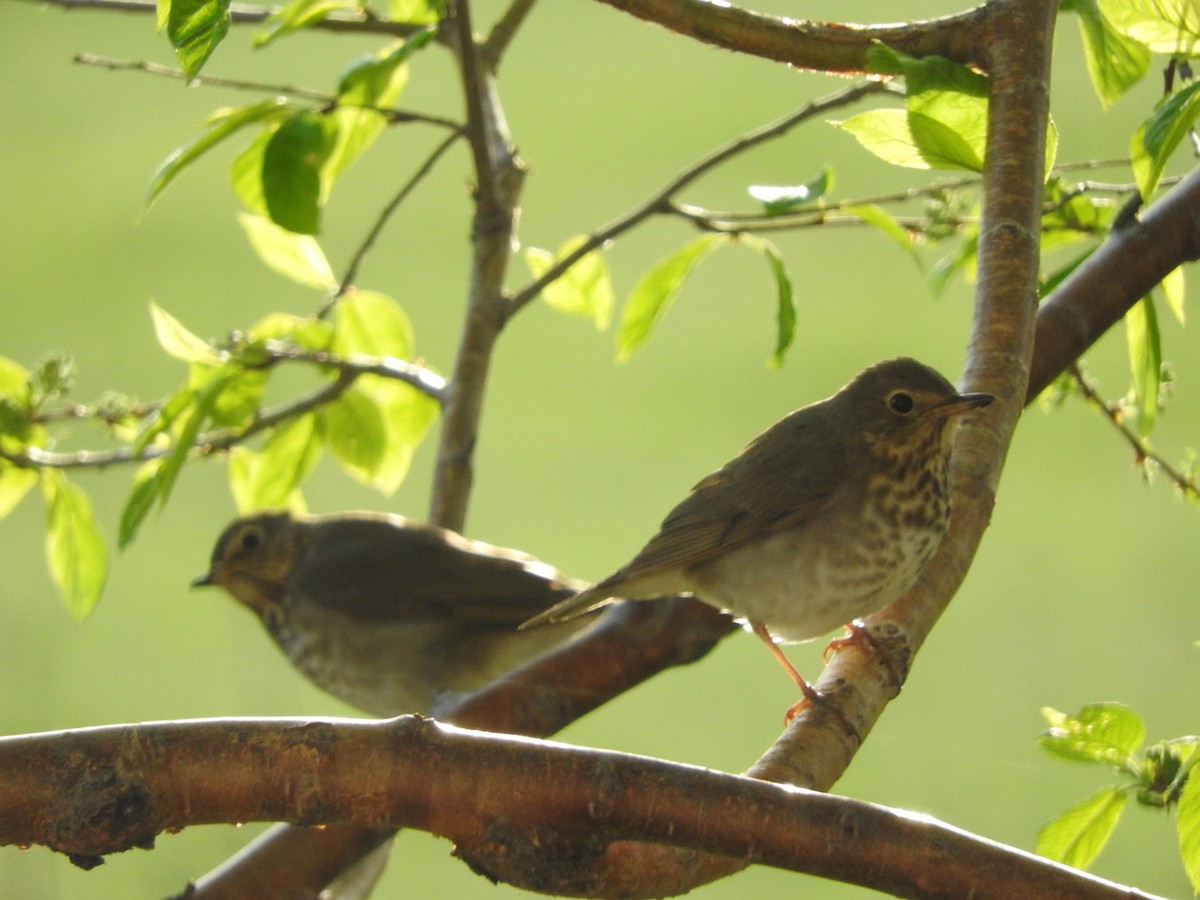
1156	139
585	289
881	220
221	125
417	12
1114	62
308	332
271	477
1100	732
245	174
195	27
1174	287
141	500
885	133
298	256
296	15
656	290
1164	26
777	199
75	549
1145	361
354	432
15	483
177	341
190	422
392	416
1077	836
1187	827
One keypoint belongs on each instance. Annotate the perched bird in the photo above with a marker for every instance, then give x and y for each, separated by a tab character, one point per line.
829	514
383	612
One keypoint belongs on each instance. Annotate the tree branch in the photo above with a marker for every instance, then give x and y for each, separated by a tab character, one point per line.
826	47
249	14
499	177
133	781
660	200
1098	293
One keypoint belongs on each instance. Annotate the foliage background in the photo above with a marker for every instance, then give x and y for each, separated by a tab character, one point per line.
1084	589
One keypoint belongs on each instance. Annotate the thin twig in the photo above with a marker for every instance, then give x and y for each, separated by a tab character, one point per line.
247	14
659	202
220	440
356	261
1113	412
153	68
503	32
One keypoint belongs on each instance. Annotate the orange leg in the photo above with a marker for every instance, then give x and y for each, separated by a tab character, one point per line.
811	694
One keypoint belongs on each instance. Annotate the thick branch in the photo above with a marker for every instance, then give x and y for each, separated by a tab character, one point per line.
1097	294
824	46
499	176
130	782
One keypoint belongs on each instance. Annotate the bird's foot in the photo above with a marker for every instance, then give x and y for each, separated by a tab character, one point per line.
857	636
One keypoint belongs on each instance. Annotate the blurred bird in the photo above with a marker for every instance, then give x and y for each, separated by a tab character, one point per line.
383	612
829	514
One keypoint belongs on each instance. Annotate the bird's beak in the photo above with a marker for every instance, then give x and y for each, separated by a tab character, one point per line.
963	403
204	580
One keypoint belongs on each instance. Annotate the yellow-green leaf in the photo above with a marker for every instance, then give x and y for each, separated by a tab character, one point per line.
75	549
1145	361
297	256
180	343
656	290
1077	836
272	476
585	289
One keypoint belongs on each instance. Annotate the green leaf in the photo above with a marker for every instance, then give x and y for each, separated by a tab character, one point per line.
418	12
195	27
1156	139
1114	61
189	425
1078	835
291	170
1145	361
785	297
656	290
1164	26
1100	732
245	174
221	125
1187	827
180	343
297	256
883	221
271	477
369	85
372	324
585	289
307	332
15	483
75	549
296	15
885	133
1174	288
392	415
777	200
145	491
354	432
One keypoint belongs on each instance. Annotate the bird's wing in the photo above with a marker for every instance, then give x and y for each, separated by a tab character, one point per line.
784	477
395	569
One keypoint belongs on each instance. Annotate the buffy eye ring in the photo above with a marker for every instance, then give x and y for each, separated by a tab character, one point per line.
901	403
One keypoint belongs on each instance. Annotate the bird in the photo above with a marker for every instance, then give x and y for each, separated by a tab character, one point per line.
828	515
386	613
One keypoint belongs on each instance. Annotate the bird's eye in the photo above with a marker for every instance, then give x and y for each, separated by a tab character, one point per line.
251	538
901	403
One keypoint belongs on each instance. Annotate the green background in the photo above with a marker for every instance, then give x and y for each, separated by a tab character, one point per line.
1084	588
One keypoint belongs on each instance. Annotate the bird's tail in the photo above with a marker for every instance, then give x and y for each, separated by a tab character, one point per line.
585	601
